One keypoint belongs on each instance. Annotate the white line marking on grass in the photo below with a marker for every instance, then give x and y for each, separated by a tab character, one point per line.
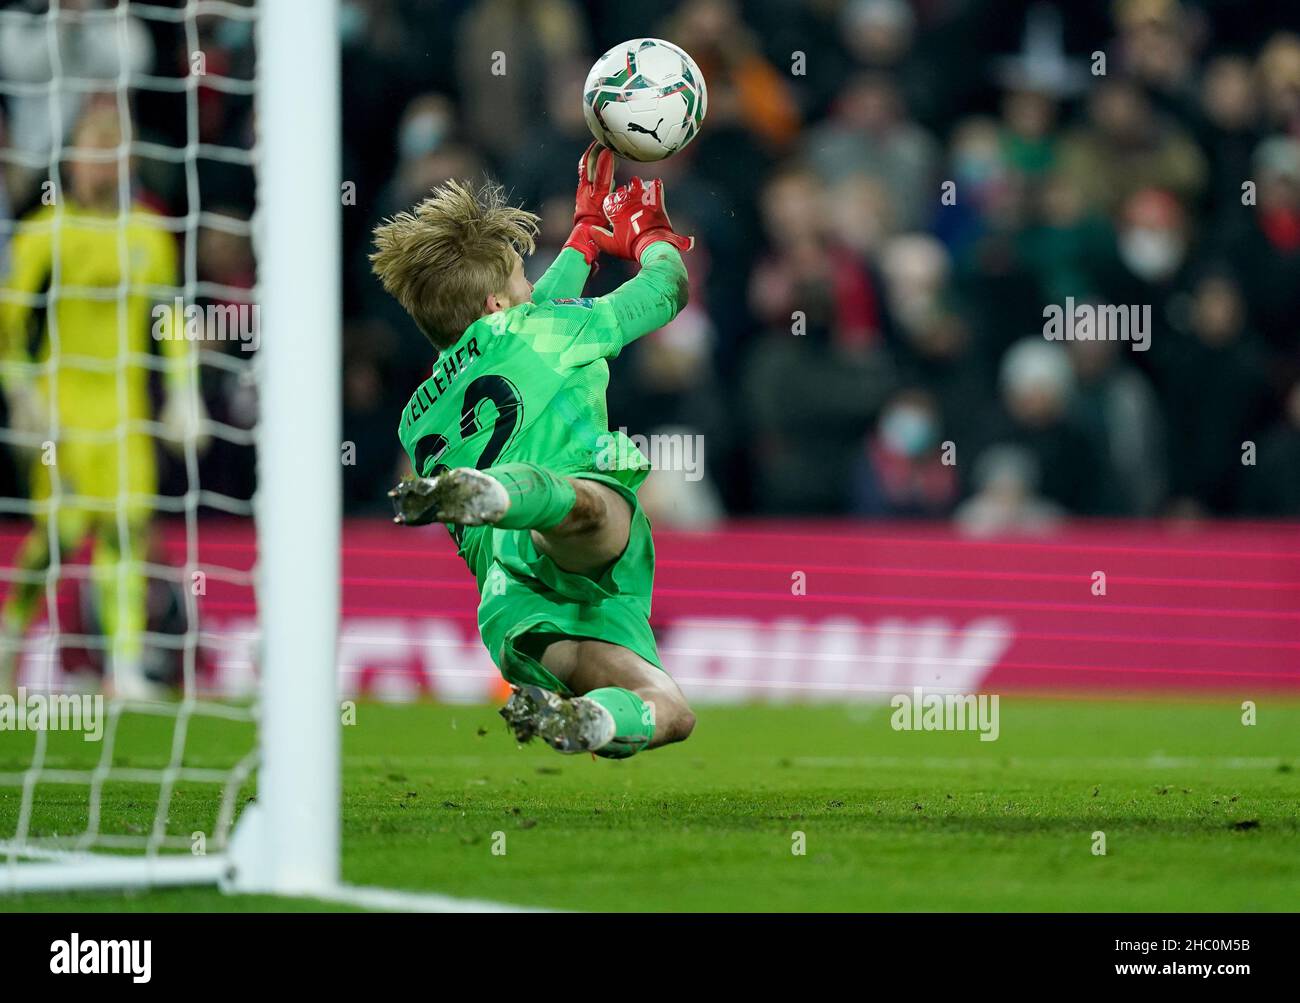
392	900
1156	762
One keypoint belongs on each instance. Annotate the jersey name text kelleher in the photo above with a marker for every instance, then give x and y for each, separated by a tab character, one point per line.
445	371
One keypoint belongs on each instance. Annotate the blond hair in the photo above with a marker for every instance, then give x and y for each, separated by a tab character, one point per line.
445	257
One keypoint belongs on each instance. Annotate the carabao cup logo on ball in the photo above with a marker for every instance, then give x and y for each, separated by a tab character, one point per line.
645	99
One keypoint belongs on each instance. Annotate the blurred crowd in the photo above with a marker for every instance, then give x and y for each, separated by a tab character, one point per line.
886	195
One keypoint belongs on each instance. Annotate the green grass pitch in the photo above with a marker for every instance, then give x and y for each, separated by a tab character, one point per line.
1199	811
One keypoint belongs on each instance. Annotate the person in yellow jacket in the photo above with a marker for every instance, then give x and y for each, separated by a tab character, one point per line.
83	284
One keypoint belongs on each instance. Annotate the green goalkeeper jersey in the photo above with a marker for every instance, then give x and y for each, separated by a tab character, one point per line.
528	384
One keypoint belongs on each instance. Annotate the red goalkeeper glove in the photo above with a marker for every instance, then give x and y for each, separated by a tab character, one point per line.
637	218
595	181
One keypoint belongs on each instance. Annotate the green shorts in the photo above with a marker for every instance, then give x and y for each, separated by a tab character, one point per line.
525	592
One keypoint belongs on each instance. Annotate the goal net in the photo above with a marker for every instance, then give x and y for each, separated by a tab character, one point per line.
156	336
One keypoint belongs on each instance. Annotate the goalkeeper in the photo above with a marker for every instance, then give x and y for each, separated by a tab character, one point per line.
511	448
62	308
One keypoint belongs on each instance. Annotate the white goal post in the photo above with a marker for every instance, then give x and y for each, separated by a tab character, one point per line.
287	841
290	842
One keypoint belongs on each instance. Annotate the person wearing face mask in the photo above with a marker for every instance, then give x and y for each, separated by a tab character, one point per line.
428	148
1152	239
903	472
1150	263
430	152
425	127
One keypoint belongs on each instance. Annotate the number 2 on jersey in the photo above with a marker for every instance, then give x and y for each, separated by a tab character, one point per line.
503	394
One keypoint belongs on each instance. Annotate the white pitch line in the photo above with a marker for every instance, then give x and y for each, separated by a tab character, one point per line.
392	900
994	760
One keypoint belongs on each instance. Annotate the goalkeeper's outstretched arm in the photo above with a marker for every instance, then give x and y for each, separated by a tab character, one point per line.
564	278
653	297
640	230
569	271
602	327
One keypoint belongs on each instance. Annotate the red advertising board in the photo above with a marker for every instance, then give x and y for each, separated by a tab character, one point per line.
827	610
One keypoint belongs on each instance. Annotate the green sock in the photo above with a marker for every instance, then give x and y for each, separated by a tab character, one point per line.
634	721
539	499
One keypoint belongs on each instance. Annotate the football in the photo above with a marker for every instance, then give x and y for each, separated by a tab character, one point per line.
645	99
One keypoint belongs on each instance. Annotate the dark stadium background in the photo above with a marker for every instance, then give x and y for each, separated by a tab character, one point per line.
819	192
